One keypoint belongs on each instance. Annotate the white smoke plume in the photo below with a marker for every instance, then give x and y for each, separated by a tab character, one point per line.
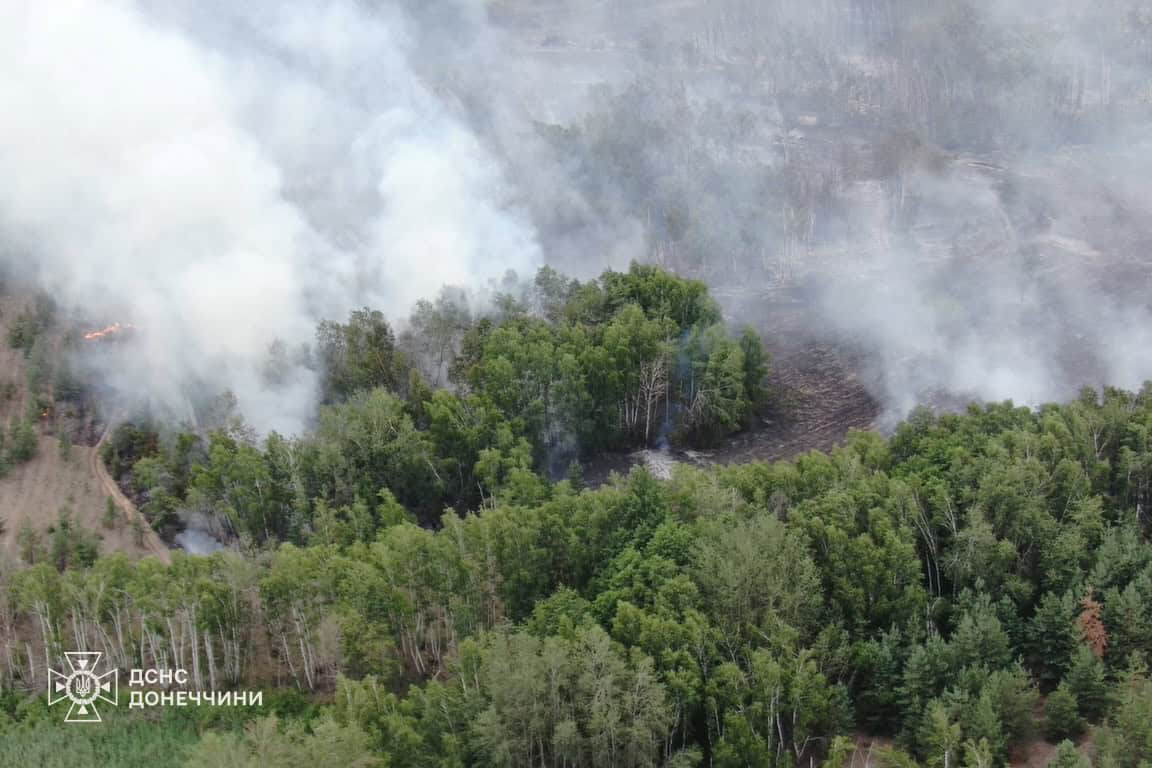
224	178
956	188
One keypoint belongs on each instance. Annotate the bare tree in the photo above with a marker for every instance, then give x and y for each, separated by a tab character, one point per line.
653	387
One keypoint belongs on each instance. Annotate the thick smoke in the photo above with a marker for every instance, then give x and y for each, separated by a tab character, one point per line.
225	179
956	188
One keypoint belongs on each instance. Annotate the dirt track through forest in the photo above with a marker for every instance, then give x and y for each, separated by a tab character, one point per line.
152	541
35	493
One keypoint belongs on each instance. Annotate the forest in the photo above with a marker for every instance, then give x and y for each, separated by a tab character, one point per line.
457	410
425	579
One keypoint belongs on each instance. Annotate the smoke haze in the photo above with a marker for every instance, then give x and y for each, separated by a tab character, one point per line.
228	185
956	189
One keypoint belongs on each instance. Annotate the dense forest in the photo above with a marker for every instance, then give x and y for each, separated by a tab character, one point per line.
459	410
424	580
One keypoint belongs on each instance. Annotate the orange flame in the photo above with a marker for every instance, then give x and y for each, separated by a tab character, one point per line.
111	330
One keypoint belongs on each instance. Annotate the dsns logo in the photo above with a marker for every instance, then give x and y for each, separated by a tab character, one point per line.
83	687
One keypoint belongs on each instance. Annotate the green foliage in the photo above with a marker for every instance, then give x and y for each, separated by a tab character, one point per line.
138	531
30	543
715	393
1061	715
775	691
436	329
121	741
1068	757
1087	681
265	743
26	328
22	443
598	705
67	387
980	754
236	480
1014	697
1128	619
866	554
980	640
1053	636
359	355
939	736
71	546
360	447
111	515
1126	741
38	373
661	295
127	444
758	578
755	361
876	687
928	586
628	360
561	614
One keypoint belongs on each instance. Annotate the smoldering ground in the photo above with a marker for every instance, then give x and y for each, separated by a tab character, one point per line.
959	189
955	189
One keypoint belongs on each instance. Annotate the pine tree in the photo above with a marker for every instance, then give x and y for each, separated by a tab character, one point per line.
1088	684
983	729
1067	757
1061	715
1052	637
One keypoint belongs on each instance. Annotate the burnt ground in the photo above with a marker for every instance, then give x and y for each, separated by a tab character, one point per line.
817	397
817	385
